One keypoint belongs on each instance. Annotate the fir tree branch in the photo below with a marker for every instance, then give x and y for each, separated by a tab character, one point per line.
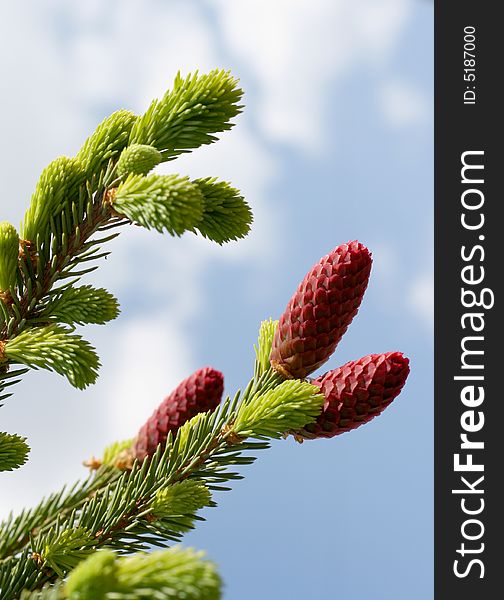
53	347
15	531
190	114
79	197
8	378
59	182
161	202
263	347
226	215
19	573
175	573
106	142
9	250
54	258
81	306
154	503
13	451
125	514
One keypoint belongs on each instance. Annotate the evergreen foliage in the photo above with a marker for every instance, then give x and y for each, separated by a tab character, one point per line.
71	545
189	115
9	251
129	509
107	142
49	551
58	184
271	414
78	205
13	451
263	347
181	501
54	348
161	202
82	305
226	215
175	573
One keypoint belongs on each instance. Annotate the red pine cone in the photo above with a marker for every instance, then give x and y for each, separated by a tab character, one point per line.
320	311
357	392
200	392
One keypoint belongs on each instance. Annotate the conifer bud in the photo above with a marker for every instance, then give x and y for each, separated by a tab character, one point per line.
201	392
138	159
356	393
9	252
320	311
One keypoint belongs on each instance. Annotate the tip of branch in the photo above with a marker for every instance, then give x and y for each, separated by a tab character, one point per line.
92	463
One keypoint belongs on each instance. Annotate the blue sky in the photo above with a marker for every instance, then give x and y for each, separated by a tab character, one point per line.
335	144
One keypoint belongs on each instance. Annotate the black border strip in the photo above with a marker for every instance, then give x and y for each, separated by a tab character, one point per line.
468	523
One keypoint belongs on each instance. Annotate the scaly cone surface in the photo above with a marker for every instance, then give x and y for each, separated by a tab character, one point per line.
357	392
200	392
320	311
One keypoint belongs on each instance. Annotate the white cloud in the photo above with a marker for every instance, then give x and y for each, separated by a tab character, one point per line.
296	50
403	104
420	298
37	119
146	360
134	54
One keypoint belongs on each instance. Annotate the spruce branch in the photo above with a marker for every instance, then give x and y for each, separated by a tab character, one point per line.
154	502
8	378
147	491
54	348
263	348
143	506
174	573
161	202
13	451
15	531
19	573
9	252
107	141
64	551
78	200
267	414
55	258
182	498
58	185
190	114
226	215
81	306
